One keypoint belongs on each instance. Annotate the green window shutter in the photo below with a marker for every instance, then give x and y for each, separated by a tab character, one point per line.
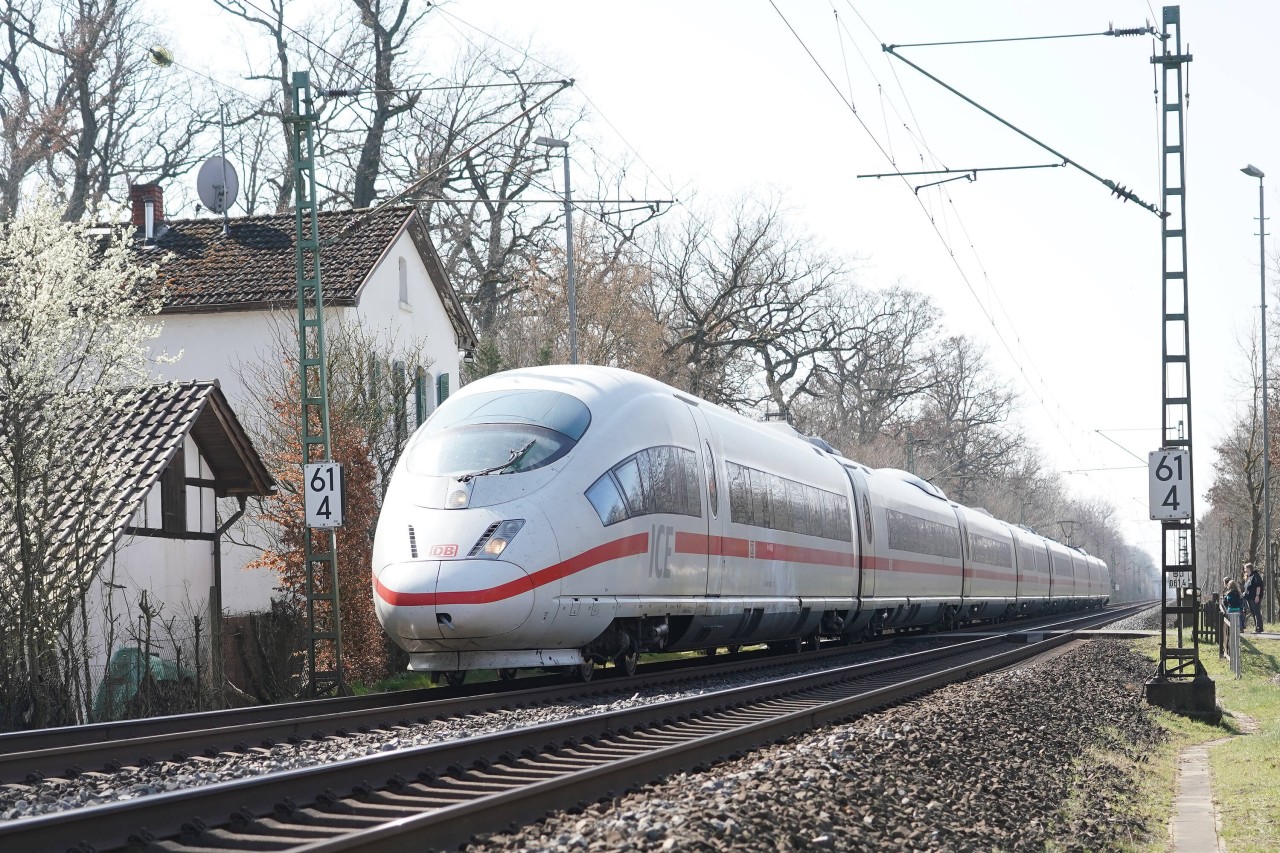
400	401
442	388
420	394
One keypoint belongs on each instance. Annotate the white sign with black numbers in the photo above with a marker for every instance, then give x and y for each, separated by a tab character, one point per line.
1170	477
324	494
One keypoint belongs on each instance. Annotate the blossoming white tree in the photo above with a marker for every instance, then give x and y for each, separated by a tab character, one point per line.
76	314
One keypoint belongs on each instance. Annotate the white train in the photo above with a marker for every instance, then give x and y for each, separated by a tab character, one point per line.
573	515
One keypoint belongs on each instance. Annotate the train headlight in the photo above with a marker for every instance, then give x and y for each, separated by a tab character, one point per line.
496	538
459	497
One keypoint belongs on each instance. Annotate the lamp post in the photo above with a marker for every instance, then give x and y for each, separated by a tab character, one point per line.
1267	572
568	244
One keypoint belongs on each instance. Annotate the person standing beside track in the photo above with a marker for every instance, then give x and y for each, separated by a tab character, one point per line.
1233	602
1253	595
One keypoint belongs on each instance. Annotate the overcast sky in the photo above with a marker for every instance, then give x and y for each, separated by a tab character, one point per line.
1060	280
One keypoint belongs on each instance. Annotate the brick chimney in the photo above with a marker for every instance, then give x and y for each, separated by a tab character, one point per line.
142	197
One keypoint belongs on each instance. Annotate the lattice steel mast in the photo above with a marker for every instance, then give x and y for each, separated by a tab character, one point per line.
1179	645
320	548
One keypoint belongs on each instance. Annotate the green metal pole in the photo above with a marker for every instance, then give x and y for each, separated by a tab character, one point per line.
320	549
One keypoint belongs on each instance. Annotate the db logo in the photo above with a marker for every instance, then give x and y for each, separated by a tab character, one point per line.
444	550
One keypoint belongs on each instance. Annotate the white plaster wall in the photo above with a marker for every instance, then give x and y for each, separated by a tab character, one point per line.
219	345
424	318
216	345
201	502
178	578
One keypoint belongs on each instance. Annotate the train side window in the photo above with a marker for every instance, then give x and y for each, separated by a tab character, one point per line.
628	474
713	491
739	493
780	504
607	500
844	524
830	516
799	506
661	479
813	497
656	477
759	498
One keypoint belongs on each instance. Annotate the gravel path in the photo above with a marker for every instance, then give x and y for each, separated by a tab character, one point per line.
983	766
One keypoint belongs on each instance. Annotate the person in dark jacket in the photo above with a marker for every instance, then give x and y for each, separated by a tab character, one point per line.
1253	595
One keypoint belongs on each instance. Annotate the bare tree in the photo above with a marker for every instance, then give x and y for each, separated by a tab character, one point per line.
389	26
86	105
299	45
965	425
1237	487
474	202
748	308
616	324
877	367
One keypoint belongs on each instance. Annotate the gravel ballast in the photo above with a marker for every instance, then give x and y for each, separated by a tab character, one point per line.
985	765
19	801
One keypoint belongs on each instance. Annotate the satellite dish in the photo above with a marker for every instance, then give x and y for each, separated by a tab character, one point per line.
218	184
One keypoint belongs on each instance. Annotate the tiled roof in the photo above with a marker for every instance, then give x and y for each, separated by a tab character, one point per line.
254	265
141	440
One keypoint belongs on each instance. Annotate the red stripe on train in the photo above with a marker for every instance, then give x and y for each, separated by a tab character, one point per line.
728	546
628	546
685	543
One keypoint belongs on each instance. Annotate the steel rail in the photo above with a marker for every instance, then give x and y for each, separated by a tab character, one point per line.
121	824
124	730
170	740
267	799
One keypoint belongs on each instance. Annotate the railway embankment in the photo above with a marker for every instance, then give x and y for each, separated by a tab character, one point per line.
1051	755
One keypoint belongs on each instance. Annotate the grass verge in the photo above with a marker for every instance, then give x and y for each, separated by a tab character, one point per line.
1245	770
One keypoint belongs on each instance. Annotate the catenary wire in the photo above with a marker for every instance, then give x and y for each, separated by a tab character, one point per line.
1030	381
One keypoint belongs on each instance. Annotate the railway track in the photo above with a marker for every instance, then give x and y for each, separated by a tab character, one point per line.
106	747
439	795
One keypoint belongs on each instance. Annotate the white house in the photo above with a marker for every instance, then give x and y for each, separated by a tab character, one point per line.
228	296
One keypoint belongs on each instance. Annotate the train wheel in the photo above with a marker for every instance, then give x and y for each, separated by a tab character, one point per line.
586	670
627	662
507	673
733	650
455	677
711	652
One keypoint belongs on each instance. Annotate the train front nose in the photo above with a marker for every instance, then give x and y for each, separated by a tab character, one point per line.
453	599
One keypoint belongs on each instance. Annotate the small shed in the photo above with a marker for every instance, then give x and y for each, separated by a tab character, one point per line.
159	588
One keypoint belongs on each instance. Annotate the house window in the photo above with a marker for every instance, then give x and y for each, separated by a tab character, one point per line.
404	285
173	495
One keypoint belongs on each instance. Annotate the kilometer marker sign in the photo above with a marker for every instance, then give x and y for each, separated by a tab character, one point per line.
1169	473
325	493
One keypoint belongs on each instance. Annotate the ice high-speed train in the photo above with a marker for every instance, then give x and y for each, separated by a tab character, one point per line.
574	515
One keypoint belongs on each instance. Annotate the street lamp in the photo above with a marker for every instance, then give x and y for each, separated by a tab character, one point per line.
568	244
1254	172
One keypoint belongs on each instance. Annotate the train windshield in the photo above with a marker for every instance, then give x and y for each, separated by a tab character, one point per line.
499	432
